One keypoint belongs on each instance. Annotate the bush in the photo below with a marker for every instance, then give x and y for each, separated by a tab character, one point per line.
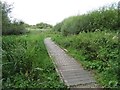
70	26
43	25
57	27
105	18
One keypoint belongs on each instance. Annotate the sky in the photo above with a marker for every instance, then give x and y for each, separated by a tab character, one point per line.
52	11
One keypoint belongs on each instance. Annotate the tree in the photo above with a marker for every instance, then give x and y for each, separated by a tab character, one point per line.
0	17
6	9
10	27
43	25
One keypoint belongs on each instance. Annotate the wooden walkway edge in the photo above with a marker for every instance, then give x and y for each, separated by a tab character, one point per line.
70	71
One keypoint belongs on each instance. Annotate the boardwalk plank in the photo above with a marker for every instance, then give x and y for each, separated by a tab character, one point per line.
70	70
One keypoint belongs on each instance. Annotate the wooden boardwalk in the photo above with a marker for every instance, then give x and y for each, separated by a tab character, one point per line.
68	68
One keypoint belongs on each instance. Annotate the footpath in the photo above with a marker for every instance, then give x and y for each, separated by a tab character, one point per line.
70	71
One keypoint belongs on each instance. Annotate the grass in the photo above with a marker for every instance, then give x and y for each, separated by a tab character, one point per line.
96	51
26	63
93	39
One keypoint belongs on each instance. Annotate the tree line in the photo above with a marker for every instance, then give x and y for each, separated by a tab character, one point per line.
10	27
16	27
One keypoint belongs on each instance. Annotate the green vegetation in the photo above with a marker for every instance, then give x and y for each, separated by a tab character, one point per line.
26	63
10	27
92	39
102	19
43	25
39	26
96	51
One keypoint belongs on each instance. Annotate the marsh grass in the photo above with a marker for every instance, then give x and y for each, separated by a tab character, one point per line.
26	63
96	51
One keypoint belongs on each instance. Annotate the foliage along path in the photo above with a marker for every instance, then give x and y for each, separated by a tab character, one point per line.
70	71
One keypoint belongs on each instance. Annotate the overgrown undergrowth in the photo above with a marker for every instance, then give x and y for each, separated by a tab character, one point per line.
26	63
97	51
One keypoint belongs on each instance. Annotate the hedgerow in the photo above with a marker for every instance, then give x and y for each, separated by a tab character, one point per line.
105	18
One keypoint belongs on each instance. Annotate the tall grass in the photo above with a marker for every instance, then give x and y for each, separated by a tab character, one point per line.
97	51
26	63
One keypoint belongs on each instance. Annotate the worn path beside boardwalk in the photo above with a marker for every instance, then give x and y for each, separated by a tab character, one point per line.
68	68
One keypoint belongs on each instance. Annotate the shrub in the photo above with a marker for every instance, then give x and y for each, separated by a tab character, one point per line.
105	18
43	25
57	27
